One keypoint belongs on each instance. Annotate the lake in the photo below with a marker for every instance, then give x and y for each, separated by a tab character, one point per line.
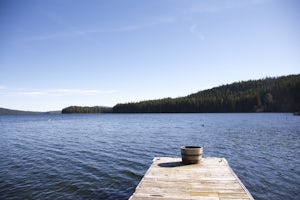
104	156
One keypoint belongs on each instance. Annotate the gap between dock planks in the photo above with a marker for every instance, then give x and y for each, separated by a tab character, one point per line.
211	179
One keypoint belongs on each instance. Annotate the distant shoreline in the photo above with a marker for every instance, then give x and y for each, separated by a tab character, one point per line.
269	95
6	111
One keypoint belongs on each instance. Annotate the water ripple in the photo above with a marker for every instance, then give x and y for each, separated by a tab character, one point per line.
105	156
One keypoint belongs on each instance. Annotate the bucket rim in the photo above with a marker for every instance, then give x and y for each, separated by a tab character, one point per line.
191	147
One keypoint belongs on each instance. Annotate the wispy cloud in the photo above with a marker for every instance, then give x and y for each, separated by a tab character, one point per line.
194	30
69	30
89	32
46	37
29	93
55	92
80	91
108	30
83	33
196	7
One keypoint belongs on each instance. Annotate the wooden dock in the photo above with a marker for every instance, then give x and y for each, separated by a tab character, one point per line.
212	178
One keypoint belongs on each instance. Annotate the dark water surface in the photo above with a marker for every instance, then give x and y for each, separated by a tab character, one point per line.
105	156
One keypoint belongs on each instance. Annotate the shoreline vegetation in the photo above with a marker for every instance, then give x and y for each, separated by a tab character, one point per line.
86	109
280	94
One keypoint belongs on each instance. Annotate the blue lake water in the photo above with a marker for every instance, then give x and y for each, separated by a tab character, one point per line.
104	156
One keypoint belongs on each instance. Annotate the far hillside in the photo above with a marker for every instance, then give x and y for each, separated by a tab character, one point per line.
5	111
281	94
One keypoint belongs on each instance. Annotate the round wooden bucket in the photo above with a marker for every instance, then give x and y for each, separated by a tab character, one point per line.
191	154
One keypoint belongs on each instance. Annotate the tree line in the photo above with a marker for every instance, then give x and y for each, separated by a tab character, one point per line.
86	109
281	94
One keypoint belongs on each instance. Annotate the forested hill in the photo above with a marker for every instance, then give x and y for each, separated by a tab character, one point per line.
5	111
86	109
281	94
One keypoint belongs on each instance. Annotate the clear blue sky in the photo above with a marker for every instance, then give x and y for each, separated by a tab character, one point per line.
56	53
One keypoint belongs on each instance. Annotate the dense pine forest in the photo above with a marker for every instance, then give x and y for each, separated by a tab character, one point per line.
85	109
281	94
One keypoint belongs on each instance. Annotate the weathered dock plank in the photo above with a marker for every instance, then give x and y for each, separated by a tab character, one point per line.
211	179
